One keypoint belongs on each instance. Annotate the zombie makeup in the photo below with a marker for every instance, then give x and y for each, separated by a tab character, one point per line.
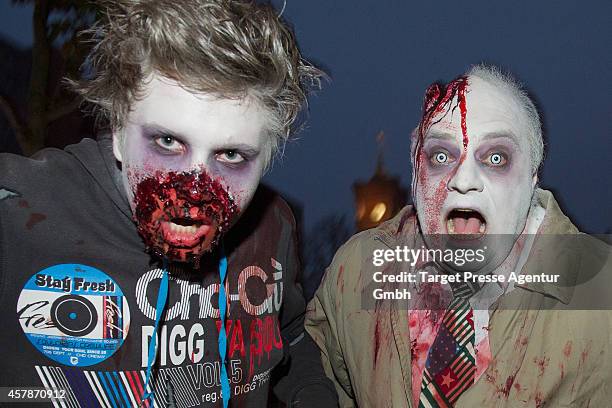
191	163
473	175
182	215
434	163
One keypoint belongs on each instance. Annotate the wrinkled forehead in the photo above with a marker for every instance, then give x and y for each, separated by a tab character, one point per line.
489	109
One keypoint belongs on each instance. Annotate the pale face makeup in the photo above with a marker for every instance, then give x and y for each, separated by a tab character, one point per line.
198	153
479	183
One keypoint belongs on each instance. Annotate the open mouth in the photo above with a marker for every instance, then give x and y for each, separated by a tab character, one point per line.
185	225
465	221
185	232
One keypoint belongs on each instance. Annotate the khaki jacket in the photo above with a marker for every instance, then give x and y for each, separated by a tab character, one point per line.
541	356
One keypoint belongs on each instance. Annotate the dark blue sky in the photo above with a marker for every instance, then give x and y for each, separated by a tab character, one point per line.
381	55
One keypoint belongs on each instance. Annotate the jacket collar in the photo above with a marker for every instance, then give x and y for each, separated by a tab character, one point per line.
541	259
395	231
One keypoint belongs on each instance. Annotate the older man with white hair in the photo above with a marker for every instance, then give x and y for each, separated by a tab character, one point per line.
481	294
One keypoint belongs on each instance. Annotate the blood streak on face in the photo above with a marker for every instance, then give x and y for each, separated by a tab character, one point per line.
438	102
463	111
181	215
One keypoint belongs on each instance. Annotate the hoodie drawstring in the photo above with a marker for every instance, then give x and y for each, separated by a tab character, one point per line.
162	297
225	387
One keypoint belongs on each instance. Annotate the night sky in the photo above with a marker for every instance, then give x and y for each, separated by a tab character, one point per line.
381	55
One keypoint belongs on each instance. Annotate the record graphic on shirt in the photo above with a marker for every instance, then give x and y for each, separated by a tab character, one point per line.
74	314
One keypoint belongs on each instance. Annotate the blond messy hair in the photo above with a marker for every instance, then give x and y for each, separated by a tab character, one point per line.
228	48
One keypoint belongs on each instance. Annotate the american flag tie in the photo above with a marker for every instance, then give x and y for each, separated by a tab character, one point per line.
450	367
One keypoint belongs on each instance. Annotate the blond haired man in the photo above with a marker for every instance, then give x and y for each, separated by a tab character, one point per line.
147	268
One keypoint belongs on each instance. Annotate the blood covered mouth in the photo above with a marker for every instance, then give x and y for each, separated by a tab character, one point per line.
183	232
185	224
466	222
182	215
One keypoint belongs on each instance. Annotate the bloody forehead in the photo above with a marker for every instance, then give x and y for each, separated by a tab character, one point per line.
438	98
437	102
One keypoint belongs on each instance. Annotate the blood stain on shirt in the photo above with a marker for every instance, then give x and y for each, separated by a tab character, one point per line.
34	219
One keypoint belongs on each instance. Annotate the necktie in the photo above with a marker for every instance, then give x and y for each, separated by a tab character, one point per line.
450	367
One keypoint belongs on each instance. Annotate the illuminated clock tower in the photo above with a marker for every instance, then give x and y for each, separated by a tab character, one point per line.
381	197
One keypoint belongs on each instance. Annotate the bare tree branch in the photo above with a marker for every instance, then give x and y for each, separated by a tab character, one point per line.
10	112
39	79
54	23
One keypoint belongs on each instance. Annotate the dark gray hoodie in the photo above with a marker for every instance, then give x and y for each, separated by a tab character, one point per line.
78	293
